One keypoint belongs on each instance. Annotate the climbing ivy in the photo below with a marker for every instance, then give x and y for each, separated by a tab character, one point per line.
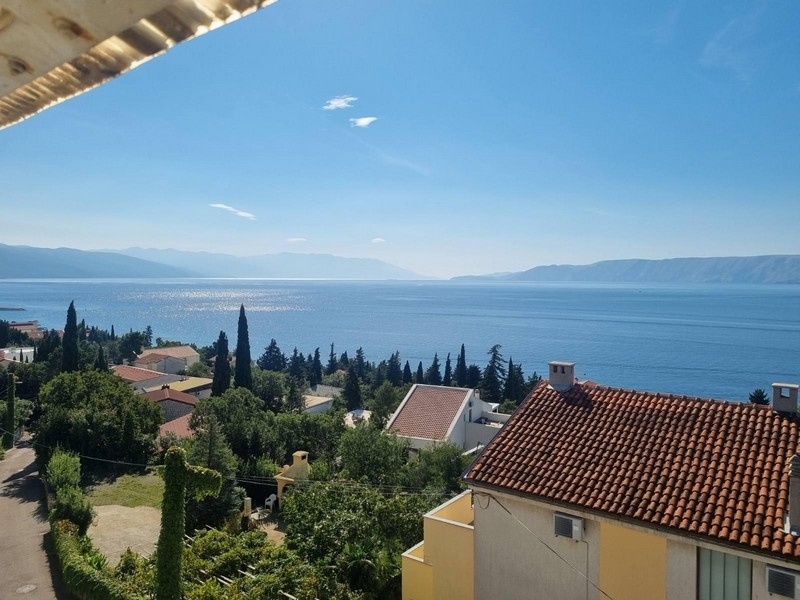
177	474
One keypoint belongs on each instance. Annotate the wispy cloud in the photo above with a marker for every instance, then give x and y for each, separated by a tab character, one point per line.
378	240
339	102
297	240
362	121
731	48
236	211
664	29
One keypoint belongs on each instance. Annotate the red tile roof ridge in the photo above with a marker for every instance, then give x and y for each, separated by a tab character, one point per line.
684	463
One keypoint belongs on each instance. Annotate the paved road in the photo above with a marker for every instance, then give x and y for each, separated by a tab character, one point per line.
26	570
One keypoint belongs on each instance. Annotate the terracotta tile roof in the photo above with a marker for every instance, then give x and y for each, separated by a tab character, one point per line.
151	358
428	411
718	470
131	374
175	351
179	427
170	394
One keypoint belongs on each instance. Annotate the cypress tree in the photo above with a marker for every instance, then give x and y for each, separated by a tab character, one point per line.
352	390
113	335
243	376
316	369
461	368
69	351
360	363
333	364
407	377
448	372
222	368
420	378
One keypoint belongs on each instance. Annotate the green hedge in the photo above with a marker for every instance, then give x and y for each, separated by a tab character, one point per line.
83	580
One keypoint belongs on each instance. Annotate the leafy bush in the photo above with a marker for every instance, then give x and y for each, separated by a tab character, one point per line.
63	470
83	579
71	506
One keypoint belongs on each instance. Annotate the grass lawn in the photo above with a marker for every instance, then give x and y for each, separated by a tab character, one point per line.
145	489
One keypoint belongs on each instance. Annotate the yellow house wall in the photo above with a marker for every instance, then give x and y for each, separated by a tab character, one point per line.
417	576
459	510
450	548
633	564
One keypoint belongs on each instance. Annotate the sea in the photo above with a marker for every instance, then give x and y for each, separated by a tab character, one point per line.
717	341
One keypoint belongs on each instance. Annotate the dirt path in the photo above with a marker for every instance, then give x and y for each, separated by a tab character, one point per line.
117	528
29	567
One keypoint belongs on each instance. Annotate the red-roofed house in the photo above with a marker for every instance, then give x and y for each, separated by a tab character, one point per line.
170	359
178	427
135	374
174	403
637	494
434	413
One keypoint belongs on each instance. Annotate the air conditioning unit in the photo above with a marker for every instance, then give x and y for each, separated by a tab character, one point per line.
568	526
783	582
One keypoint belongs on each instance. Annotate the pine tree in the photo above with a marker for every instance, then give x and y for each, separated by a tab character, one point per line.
394	373
344	362
352	390
222	367
333	364
759	396
494	374
420	376
243	377
407	377
461	368
297	364
448	372
272	359
434	374
473	377
69	351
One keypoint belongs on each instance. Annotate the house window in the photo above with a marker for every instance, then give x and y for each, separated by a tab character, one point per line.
722	576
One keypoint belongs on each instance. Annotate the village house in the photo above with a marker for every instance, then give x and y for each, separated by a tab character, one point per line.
594	492
169	359
433	413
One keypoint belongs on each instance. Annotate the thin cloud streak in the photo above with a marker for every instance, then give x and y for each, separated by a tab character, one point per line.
362	121
339	102
378	240
297	240
730	48
236	211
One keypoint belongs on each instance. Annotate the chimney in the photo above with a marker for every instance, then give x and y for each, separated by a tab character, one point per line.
562	375
784	400
794	495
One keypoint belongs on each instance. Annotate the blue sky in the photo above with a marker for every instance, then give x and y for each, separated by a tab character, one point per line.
506	135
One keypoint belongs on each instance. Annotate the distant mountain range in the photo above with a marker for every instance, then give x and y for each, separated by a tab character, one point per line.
50	263
745	269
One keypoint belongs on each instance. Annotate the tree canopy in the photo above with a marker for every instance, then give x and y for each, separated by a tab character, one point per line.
95	413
